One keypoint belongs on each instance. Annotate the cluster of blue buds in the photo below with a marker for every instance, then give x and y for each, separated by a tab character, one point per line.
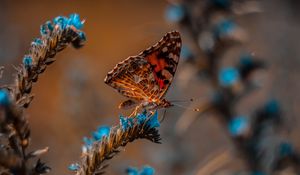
98	135
146	170
140	119
175	13
62	22
228	76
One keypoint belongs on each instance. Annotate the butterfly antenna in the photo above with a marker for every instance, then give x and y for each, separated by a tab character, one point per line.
185	107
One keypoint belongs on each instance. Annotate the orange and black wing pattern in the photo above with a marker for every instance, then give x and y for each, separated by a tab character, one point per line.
148	75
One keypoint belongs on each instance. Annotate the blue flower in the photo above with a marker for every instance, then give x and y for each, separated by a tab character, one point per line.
74	20
225	28
153	121
285	149
238	125
102	131
61	21
175	13
228	76
147	170
4	98
27	61
74	167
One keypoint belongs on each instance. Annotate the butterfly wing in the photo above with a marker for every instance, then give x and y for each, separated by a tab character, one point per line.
149	74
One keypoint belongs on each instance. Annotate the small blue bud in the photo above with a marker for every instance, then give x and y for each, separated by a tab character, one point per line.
82	36
153	121
49	26
43	30
4	98
141	118
61	21
27	61
74	167
101	132
74	20
124	123
228	76
175	13
88	142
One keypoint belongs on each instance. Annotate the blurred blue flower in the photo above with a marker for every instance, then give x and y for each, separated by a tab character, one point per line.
222	3
186	53
175	12
147	170
74	167
285	149
258	173
272	107
61	21
246	60
238	125
27	61
132	171
224	28
228	76
153	121
4	98
75	21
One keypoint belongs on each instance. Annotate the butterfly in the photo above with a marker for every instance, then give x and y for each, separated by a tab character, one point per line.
146	77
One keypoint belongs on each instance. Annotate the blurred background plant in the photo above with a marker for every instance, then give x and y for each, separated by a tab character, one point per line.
73	100
214	31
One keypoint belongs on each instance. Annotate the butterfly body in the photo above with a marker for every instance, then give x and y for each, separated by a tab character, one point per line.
145	78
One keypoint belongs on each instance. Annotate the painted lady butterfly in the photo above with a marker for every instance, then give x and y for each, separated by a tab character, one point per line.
145	78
